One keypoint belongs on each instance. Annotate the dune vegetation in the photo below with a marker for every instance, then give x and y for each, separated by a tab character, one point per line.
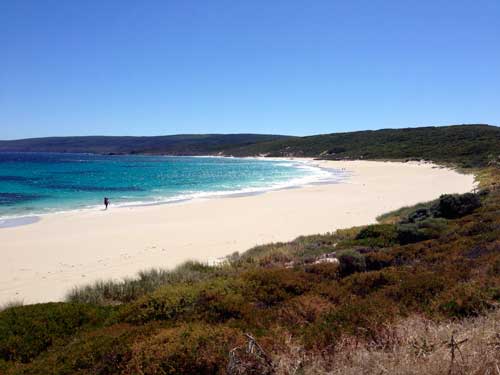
416	294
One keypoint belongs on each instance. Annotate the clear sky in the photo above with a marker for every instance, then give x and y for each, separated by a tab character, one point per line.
230	66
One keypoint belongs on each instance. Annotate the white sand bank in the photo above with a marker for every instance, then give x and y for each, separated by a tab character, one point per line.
42	261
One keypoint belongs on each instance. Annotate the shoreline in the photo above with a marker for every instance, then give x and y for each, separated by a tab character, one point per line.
44	260
9	221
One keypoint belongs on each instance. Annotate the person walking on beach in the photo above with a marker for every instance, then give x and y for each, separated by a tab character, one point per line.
106	202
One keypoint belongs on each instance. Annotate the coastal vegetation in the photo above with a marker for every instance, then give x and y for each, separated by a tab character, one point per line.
464	145
417	293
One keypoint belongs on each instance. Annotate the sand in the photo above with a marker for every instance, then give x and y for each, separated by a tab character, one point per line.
42	261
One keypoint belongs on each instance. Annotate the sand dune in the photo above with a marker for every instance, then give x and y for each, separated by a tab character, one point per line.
43	260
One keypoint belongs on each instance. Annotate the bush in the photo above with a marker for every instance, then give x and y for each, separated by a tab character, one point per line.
271	286
167	303
360	317
27	331
455	206
365	283
410	233
380	235
214	301
422	230
302	310
222	300
377	260
418	215
350	261
415	291
188	349
463	301
103	352
325	270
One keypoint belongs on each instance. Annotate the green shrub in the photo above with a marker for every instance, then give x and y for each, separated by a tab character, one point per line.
410	233
271	286
215	300
27	331
188	349
167	303
422	230
418	215
103	352
350	261
404	214
221	300
379	235
455	206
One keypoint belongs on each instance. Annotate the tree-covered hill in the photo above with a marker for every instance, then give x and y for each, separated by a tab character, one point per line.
467	145
183	144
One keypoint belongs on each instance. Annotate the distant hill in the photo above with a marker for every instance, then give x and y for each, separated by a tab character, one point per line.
202	144
467	145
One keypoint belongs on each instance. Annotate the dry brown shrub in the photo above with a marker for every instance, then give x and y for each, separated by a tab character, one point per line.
303	309
414	346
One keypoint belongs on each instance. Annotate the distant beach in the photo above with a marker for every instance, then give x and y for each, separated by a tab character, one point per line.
45	259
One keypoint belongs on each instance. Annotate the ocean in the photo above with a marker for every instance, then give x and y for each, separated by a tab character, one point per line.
41	183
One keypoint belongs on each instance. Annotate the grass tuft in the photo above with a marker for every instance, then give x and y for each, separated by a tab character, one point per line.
116	292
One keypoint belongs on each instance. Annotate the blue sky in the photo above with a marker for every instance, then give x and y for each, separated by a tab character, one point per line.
288	67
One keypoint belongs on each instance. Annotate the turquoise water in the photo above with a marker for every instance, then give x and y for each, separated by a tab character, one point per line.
37	183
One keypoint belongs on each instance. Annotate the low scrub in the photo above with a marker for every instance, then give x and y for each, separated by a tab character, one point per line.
188	349
27	331
464	300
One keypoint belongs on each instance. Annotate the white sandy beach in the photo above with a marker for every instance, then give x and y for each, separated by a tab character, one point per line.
42	261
